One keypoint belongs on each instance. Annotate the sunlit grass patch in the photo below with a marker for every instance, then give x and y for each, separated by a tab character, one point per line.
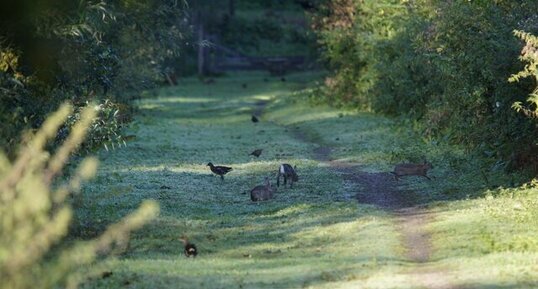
308	235
314	234
490	241
304	244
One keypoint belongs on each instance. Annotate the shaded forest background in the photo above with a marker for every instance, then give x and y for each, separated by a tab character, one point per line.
443	66
109	52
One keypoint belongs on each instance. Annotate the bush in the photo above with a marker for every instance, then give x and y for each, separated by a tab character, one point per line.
36	214
82	51
529	54
105	130
442	62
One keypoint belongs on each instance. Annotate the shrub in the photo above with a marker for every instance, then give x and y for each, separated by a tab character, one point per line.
105	129
349	32
36	214
529	54
442	62
58	50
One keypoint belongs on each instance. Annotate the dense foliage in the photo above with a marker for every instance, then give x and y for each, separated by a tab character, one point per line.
529	54
36	213
445	63
104	51
251	28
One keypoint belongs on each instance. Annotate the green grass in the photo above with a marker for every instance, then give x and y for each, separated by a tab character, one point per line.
310	235
313	235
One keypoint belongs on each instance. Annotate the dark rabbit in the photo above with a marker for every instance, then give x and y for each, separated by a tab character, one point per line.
262	193
401	170
288	172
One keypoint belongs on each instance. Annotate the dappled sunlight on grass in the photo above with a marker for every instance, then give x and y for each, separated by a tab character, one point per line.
305	236
314	234
305	248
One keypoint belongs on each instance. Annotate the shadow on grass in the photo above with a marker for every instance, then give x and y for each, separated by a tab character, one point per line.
235	235
374	145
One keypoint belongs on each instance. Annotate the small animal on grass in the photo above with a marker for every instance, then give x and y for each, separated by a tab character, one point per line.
190	248
219	170
262	193
283	79
256	153
244	85
254	118
410	169
288	172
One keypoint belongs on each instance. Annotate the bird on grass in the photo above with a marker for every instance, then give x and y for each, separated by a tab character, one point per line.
219	170
254	118
190	248
256	153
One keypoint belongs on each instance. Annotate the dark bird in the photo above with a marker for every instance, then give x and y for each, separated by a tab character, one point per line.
219	170
256	153
190	248
254	118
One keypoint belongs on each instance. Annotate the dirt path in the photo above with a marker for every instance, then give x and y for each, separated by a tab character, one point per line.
381	190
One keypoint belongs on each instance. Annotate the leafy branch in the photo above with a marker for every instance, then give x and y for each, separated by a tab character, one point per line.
529	54
36	214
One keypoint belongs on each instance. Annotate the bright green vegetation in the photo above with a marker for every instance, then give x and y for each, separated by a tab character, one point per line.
445	64
314	235
490	242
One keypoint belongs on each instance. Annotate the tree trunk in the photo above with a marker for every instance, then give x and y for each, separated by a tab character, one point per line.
201	48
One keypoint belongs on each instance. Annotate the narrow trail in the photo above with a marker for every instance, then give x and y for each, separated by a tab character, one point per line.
381	190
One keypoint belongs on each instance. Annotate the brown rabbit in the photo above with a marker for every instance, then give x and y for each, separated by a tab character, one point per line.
262	193
412	170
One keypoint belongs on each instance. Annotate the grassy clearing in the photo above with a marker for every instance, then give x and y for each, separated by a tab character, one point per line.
490	242
484	231
310	235
313	235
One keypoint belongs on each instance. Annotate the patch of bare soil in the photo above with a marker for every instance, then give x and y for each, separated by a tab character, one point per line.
381	190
